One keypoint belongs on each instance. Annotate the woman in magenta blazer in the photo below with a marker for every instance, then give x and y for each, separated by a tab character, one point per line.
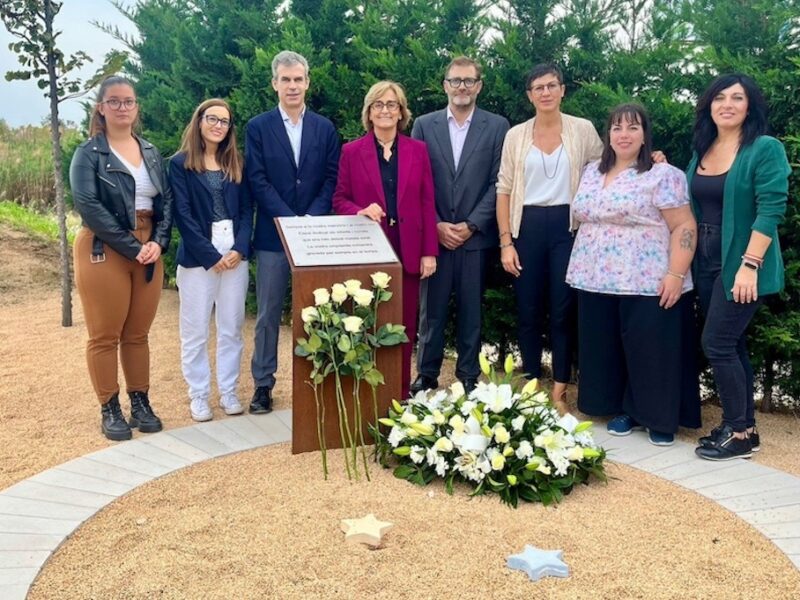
387	177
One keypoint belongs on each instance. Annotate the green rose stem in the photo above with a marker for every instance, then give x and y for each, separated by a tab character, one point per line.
344	426
319	398
374	356
360	429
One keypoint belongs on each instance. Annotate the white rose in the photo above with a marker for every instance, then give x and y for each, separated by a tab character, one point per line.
321	296
352	286
575	454
501	434
352	324
363	297
443	445
380	280
498	462
338	293
407	418
309	314
457	390
518	423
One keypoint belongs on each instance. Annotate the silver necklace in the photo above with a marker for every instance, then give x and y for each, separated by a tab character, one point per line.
558	160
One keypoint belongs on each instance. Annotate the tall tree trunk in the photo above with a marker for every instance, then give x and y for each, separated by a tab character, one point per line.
55	139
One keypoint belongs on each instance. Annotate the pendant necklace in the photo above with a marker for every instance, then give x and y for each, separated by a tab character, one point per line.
541	152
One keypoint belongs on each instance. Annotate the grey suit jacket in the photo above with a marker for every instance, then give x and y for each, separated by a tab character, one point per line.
467	193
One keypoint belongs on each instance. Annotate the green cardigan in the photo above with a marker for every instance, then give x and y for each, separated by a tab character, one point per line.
754	199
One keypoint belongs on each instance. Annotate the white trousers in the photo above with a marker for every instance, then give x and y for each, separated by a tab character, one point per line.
200	291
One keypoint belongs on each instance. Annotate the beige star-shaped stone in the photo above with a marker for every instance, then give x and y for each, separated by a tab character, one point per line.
366	530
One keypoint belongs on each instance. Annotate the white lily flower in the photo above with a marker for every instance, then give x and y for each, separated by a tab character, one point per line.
443	444
408	417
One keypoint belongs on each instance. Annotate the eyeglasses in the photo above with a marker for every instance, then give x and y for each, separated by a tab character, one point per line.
455	82
391	106
214	121
116	104
551	87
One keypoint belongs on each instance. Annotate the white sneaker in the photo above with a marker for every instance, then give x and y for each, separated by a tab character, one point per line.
200	410
230	404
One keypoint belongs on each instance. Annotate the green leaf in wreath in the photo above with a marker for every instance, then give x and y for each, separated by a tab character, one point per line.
404	471
314	343
344	343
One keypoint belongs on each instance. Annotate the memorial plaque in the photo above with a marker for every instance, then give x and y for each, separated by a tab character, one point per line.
335	240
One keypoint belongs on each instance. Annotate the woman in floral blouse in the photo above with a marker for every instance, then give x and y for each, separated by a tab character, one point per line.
630	265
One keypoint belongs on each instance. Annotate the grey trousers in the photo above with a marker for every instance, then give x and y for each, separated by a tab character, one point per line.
272	279
458	272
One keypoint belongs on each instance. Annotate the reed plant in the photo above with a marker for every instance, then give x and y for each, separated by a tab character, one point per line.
26	165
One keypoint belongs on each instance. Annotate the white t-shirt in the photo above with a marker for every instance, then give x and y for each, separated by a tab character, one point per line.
145	190
547	178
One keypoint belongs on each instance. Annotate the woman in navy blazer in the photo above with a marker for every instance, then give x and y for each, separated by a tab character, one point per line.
387	177
214	216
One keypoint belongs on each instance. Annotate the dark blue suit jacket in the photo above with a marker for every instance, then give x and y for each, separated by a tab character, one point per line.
278	186
193	210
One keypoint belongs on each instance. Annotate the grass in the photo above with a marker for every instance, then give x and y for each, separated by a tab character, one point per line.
43	226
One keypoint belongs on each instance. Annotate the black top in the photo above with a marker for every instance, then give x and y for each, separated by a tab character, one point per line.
708	191
389	179
215	183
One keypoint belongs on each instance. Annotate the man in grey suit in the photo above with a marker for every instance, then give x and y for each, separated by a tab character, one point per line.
465	144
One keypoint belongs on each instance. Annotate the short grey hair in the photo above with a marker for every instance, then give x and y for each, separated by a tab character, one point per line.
287	58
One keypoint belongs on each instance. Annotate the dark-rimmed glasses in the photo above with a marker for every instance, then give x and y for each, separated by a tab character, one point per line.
391	105
455	82
214	120
116	103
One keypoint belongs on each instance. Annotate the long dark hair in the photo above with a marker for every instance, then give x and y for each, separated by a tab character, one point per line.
755	123
97	123
193	145
632	113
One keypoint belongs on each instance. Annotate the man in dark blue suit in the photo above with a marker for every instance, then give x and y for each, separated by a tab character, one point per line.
292	158
464	144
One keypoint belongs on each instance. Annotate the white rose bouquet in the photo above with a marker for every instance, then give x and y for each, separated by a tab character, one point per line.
343	336
501	438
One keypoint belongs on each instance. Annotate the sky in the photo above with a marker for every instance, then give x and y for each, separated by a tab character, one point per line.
22	102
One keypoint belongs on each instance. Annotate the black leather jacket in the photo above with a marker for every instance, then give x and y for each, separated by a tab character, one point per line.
103	193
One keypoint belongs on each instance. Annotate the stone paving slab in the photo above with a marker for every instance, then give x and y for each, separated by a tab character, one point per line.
25	524
106	472
33	490
169	443
196	438
38	514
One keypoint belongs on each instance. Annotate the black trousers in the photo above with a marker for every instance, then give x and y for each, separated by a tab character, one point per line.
639	359
459	272
544	246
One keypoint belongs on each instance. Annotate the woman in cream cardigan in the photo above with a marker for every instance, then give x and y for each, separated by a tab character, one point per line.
539	173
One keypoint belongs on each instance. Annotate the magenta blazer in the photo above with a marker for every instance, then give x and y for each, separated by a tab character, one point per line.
359	185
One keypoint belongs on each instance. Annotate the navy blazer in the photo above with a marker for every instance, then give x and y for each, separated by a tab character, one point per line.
467	193
278	186
194	212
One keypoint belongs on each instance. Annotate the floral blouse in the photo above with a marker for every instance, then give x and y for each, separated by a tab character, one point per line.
622	246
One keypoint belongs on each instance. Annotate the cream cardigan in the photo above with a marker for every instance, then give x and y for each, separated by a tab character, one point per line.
581	143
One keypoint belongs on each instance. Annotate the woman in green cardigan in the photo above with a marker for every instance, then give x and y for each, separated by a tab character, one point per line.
738	182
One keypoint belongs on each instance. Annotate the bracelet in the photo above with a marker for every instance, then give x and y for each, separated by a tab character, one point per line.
758	261
678	275
502	233
509	244
749	265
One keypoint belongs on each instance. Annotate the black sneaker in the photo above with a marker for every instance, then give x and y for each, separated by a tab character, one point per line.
469	384
727	447
113	423
423	382
142	416
261	403
709	440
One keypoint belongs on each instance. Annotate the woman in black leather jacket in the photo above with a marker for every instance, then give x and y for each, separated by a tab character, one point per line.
120	189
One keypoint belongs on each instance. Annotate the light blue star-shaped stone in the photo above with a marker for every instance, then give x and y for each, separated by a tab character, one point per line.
539	563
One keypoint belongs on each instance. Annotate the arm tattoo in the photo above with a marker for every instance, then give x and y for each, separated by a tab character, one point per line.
687	239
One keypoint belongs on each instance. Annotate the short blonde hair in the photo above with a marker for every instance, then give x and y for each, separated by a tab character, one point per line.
378	90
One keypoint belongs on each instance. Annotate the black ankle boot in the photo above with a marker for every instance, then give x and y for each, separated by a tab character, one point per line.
142	416
113	423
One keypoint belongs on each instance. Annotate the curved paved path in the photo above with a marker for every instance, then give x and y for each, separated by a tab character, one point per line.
38	514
